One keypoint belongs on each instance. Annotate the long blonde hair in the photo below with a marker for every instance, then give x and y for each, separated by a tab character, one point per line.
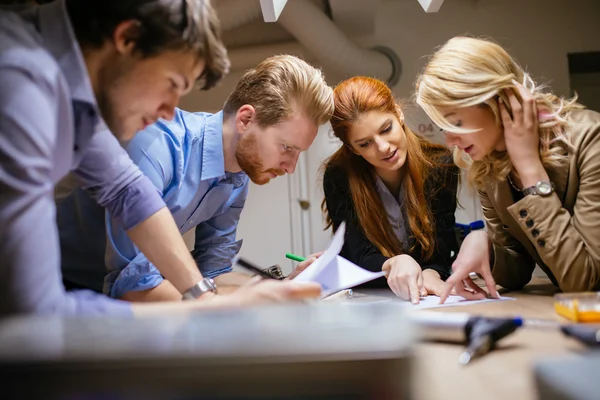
467	72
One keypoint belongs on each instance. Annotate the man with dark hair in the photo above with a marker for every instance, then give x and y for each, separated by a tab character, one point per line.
66	68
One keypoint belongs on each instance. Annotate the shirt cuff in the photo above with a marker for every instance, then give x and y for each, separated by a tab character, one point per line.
132	278
216	260
213	274
136	203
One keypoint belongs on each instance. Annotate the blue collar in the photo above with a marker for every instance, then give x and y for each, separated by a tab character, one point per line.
213	158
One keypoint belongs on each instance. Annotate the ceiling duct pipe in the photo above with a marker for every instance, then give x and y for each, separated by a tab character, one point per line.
236	13
318	35
313	29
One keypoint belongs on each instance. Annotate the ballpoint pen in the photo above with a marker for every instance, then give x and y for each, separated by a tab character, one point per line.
479	333
589	335
484	333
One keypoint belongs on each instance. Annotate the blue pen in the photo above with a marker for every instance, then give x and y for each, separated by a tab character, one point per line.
479	333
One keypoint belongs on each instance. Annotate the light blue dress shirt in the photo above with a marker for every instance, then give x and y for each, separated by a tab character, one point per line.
184	159
48	127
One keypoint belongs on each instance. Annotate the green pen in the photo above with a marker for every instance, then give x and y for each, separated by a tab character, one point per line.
294	257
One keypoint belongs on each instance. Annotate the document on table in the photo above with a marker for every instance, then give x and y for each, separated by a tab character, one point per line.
424	302
453	301
335	273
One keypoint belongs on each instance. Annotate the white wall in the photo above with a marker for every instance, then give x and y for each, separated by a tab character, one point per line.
539	33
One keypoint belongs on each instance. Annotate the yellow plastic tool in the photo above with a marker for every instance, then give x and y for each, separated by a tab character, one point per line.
578	307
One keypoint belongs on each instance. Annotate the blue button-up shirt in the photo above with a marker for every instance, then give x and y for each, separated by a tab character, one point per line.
48	120
184	159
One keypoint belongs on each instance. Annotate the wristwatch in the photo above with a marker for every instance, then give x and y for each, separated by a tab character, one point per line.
205	285
542	188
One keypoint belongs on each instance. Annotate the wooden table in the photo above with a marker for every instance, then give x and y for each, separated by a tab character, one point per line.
507	372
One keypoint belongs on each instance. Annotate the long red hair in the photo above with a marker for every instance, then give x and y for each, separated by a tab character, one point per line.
353	98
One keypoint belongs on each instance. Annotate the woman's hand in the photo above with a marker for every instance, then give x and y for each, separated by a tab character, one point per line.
521	136
433	283
304	264
474	256
405	277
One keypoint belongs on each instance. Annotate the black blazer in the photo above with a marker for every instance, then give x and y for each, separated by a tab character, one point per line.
441	193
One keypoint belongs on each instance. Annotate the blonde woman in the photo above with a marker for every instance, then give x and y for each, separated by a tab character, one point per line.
535	160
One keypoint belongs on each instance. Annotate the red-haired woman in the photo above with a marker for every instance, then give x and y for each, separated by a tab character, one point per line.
395	190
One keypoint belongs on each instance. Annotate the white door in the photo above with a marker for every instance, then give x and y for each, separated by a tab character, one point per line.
266	223
324	146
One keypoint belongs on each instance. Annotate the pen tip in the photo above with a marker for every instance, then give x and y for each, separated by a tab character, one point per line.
464	358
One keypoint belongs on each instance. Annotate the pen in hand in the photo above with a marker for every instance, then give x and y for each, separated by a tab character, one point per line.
294	257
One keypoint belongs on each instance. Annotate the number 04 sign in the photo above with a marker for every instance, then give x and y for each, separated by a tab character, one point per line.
419	123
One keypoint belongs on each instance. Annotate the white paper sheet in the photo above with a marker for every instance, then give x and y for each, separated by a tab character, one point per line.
425	302
333	272
452	301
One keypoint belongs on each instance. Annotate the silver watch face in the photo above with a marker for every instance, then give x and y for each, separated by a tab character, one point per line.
544	188
205	285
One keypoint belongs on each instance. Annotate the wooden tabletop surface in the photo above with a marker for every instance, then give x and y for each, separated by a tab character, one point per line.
506	372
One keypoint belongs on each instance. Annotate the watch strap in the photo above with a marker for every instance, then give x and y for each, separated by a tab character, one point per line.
205	285
534	190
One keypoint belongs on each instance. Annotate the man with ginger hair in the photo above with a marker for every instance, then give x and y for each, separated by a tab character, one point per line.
201	165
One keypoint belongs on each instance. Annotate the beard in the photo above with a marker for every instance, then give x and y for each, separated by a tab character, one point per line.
110	116
246	154
111	78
